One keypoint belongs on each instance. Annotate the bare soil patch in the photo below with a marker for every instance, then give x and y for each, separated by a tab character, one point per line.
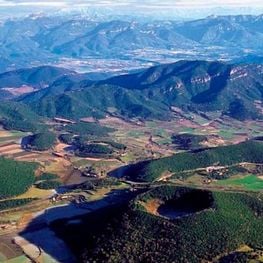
7	148
4	133
20	91
8	248
152	206
60	148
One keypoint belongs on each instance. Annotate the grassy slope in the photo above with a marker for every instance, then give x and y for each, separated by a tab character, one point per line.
250	182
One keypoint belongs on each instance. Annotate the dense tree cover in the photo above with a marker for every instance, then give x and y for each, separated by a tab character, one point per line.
133	235
8	204
93	150
116	145
168	192
239	257
250	151
66	138
151	94
17	116
83	128
17	111
47	181
188	141
84	146
238	110
41	141
48	184
88	102
21	125
75	140
15	177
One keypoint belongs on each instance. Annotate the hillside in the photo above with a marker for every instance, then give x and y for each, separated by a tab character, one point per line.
109	36
90	102
190	85
23	81
18	116
207	86
239	31
40	141
250	151
215	224
38	77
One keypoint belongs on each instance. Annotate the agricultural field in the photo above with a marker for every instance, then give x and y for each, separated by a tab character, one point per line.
142	141
34	192
9	252
227	130
10	146
248	182
10	143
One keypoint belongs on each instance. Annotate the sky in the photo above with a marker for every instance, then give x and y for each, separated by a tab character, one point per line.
162	7
137	3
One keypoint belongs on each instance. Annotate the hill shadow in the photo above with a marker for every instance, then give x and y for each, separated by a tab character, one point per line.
39	238
25	142
217	84
130	171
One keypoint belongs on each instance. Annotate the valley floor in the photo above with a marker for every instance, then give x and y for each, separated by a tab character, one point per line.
144	140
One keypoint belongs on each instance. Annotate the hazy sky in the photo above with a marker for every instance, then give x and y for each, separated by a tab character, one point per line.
137	3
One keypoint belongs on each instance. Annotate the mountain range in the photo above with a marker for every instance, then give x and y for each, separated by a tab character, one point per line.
164	90
40	40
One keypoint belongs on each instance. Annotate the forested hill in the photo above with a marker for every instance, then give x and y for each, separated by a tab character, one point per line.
190	85
38	77
223	223
250	151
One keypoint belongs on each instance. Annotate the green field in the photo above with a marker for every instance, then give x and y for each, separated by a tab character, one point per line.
2	257
21	259
187	130
135	134
249	182
151	124
226	134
